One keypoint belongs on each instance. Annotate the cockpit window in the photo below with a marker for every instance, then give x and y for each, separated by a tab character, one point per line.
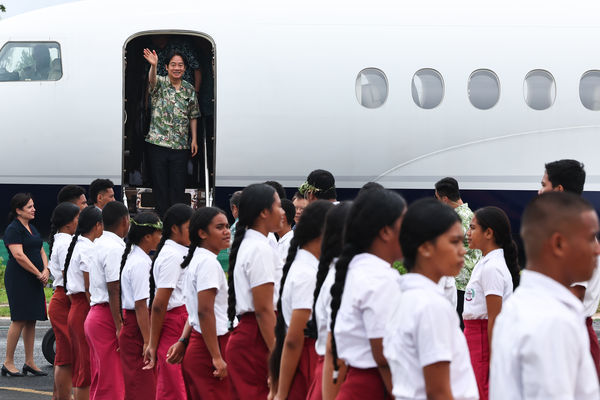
30	61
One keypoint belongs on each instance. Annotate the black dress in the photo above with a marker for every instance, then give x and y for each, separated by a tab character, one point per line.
24	290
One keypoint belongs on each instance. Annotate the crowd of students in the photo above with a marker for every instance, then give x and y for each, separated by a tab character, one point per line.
333	320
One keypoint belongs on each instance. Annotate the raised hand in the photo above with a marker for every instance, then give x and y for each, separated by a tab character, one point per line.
151	57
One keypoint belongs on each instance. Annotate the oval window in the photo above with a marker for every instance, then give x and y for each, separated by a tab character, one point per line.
427	88
371	87
539	89
589	90
484	89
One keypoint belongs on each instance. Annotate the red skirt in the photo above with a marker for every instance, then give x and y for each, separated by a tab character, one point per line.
105	363
363	384
169	378
316	388
139	383
58	311
79	345
198	370
476	333
594	346
247	358
305	373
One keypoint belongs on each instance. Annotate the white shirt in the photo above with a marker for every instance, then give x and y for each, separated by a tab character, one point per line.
489	277
283	246
255	265
108	251
135	278
204	272
57	259
299	289
448	286
592	292
424	329
323	311
540	345
81	260
168	273
370	290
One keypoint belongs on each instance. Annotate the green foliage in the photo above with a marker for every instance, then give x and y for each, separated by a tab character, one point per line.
399	266
2	8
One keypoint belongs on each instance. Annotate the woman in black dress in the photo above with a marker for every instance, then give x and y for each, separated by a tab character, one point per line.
26	274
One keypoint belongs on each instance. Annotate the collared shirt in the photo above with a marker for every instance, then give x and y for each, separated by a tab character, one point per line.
168	273
490	277
81	261
592	292
203	273
255	265
135	278
323	311
108	251
448	286
299	289
172	111
370	290
540	346
57	259
424	330
473	255
283	246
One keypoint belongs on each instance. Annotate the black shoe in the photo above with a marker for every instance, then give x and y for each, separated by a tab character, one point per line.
5	371
27	368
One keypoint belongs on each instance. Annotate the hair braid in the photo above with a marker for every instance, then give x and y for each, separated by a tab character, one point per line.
240	232
194	243
69	255
123	261
53	231
161	244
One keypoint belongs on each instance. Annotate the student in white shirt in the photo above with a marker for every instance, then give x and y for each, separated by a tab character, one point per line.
540	347
168	315
202	346
365	288
331	247
424	345
64	223
286	233
492	281
143	237
293	360
77	282
252	268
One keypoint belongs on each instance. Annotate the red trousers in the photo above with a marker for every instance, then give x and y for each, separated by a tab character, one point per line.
169	378
247	358
363	384
198	370
58	311
305	373
79	345
139	383
316	388
594	347
476	333
105	363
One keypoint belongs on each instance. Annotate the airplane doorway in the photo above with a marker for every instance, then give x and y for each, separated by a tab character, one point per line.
199	52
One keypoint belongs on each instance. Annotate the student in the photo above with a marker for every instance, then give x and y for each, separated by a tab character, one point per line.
77	265
540	347
73	194
293	360
101	192
143	237
319	185
206	333
64	223
167	302
103	323
252	267
331	247
492	282
286	233
364	288
424	345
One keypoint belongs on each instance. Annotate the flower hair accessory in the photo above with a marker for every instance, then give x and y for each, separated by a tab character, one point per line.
157	225
307	187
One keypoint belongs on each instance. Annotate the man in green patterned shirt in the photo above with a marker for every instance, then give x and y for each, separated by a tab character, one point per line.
446	191
174	116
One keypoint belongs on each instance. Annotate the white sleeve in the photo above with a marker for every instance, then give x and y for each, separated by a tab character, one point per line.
167	270
85	261
303	290
207	275
375	306
140	282
434	334
112	264
492	280
261	269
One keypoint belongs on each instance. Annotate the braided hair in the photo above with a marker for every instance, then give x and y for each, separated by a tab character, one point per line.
176	215
309	227
201	219
254	199
371	211
63	214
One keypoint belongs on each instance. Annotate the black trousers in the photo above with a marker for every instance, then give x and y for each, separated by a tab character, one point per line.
169	171
460	306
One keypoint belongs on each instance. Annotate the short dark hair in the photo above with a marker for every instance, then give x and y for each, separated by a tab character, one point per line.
290	210
567	173
69	193
448	187
278	188
370	185
174	53
97	186
325	183
113	213
235	199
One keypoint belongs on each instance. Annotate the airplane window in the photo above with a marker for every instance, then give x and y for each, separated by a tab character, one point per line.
484	89
539	89
427	88
371	87
589	90
30	61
